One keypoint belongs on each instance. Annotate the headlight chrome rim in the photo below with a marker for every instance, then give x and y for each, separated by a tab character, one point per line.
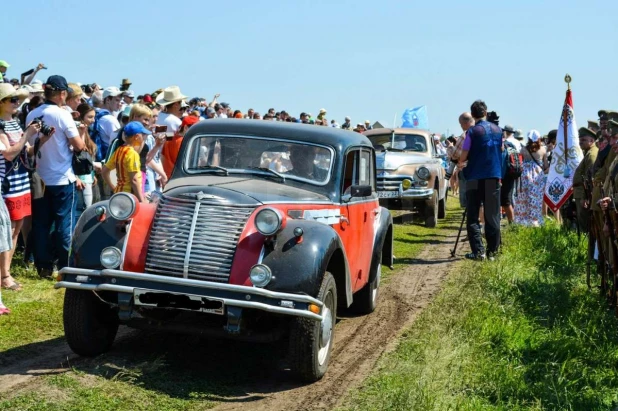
260	275
111	252
423	173
259	225
122	197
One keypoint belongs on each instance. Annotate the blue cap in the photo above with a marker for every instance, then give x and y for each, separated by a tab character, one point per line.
57	83
135	127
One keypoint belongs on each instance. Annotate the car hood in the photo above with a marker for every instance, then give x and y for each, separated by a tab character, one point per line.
239	190
392	160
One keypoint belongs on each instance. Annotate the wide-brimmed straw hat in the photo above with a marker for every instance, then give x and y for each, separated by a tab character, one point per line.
8	90
170	95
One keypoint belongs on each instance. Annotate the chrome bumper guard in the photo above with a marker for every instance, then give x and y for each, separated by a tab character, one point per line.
416	193
230	294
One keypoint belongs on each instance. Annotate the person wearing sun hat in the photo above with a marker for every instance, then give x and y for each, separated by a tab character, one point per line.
529	210
126	161
171	99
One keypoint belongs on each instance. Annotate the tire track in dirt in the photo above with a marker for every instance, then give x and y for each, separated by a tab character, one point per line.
360	341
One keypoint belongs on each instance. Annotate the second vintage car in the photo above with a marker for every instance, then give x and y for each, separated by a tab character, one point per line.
409	172
263	232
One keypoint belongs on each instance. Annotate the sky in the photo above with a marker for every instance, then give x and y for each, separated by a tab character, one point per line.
365	59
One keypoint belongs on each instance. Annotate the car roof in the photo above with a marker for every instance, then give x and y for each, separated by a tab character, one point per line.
381	131
329	136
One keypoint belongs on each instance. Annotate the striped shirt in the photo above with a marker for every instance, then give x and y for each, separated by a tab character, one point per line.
15	170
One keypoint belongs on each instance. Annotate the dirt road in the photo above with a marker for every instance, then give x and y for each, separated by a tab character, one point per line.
242	376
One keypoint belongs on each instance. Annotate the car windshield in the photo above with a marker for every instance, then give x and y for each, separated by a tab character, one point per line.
406	142
295	160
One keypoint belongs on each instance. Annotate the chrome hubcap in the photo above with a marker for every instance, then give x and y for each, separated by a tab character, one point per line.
374	291
326	329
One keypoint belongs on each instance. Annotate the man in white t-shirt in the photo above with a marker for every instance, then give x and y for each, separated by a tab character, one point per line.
171	99
54	166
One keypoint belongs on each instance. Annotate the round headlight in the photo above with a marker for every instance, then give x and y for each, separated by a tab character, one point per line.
110	257
406	184
268	221
122	206
423	173
260	275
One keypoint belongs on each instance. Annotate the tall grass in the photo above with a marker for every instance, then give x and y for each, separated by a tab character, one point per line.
522	332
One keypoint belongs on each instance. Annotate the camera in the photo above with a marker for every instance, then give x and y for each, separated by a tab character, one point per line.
493	117
449	170
45	129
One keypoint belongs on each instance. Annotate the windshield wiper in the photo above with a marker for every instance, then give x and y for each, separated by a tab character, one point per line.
218	168
268	170
392	149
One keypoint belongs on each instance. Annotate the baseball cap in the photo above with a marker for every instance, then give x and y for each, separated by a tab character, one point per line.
147	98
534	136
4	64
189	121
347	118
57	83
225	105
210	110
135	127
128	93
111	92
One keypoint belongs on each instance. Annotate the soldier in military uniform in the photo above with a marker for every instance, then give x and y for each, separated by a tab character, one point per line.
586	143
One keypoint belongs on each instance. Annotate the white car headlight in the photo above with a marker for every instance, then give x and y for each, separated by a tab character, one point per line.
423	173
268	221
260	275
122	206
110	257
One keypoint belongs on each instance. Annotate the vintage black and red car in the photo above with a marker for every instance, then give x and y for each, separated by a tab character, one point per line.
264	230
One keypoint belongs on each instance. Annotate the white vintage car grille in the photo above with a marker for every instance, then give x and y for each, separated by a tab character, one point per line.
391	183
195	239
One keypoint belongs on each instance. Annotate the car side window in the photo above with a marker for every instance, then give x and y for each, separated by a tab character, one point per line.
364	168
350	172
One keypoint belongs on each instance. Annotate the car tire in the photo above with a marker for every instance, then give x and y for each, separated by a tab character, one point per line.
442	208
431	211
311	342
90	325
366	300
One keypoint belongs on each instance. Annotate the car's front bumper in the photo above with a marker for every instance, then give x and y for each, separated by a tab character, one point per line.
231	295
410	194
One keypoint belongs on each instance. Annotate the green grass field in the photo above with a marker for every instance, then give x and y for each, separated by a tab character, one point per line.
520	333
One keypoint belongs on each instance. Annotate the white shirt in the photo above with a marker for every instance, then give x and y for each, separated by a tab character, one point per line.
54	159
109	126
516	143
171	121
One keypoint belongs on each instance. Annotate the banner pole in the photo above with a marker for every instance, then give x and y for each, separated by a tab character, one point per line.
565	119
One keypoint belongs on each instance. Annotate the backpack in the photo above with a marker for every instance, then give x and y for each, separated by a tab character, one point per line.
95	135
514	161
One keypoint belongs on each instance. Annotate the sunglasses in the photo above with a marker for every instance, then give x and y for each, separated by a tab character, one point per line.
13	100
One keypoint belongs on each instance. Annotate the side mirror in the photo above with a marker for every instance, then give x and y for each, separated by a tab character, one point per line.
360	191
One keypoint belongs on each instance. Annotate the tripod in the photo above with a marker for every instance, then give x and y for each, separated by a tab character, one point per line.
463	220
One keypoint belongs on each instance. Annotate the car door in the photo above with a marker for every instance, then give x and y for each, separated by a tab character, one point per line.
358	235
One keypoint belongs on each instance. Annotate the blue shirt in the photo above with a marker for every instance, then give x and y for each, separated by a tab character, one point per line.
485	158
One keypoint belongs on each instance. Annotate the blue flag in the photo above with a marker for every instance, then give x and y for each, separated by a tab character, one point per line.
415	118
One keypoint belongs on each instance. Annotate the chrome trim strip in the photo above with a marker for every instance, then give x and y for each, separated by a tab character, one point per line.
261	257
124	245
196	212
234	303
191	283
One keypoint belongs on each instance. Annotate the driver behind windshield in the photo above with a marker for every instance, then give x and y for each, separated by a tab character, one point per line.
303	163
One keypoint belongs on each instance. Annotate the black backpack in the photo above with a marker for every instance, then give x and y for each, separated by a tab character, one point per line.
514	161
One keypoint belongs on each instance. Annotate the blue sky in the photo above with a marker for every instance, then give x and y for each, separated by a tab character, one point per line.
366	59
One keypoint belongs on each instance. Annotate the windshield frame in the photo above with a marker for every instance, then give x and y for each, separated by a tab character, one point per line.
188	145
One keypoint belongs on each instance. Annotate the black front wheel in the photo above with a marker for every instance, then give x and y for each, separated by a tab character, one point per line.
90	325
311	342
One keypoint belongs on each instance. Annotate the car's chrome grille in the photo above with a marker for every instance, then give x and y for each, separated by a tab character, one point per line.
391	183
195	239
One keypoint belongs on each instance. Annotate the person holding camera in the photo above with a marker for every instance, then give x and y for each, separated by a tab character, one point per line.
14	178
482	149
465	121
54	166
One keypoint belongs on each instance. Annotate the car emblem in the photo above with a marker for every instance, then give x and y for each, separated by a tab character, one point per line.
201	196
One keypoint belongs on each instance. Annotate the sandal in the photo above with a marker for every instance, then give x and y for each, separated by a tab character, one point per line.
13	287
4	310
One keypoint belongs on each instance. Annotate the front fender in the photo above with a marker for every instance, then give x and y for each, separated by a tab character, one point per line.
298	266
91	236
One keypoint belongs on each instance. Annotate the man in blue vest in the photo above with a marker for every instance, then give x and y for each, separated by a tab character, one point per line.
482	149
